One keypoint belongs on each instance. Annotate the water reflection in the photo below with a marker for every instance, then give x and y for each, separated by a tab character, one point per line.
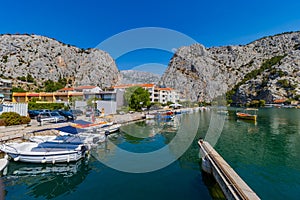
46	181
137	132
145	131
265	155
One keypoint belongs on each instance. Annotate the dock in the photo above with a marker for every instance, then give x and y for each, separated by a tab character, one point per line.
230	182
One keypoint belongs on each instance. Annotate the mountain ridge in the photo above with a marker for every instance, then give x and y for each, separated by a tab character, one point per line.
44	59
135	76
209	72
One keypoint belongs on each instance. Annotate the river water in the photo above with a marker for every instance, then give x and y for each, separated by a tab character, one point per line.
266	155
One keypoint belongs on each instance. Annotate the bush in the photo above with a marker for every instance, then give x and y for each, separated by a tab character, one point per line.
10	118
25	120
17	89
50	106
284	83
2	122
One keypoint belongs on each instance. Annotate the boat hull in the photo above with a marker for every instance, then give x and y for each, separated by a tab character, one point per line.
150	116
40	153
63	158
246	116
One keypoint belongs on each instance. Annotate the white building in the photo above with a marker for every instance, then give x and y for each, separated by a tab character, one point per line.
157	94
165	95
5	90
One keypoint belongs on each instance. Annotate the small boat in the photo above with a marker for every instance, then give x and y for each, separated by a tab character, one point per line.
90	137
178	112
150	116
109	129
92	126
61	138
46	152
249	114
169	112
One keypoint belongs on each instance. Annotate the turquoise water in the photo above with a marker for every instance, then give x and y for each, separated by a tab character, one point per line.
265	155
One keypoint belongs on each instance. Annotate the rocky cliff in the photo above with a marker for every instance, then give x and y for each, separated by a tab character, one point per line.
134	76
48	59
268	69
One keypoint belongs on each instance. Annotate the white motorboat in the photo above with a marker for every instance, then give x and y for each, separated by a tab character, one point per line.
45	152
67	138
110	129
150	116
89	137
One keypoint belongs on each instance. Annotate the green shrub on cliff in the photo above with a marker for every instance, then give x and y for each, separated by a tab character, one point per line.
266	65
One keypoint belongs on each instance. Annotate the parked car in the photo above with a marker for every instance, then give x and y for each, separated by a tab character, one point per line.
57	116
50	117
76	112
89	112
33	113
67	114
44	110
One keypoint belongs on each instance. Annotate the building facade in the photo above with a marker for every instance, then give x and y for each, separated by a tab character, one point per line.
5	90
157	94
65	95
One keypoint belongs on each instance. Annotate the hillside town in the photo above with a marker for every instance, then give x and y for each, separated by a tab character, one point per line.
108	99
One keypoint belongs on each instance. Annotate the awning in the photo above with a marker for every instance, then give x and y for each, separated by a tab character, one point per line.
175	105
1	95
33	95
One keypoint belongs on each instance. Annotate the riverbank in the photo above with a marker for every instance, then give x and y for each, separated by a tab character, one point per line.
18	132
12	133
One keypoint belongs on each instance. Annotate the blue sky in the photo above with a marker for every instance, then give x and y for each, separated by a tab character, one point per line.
212	23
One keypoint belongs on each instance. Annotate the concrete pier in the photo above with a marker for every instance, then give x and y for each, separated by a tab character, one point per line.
230	182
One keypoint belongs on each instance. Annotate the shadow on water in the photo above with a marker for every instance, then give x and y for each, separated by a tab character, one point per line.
213	187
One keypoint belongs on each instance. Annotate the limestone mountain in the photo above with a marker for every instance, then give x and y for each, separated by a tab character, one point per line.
41	59
268	69
134	76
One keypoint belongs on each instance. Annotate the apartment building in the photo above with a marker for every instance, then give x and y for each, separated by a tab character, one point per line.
5	90
65	95
157	94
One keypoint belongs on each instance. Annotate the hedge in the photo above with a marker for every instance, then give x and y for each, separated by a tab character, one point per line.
50	106
12	118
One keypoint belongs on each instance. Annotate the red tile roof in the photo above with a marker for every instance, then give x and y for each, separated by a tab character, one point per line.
19	94
148	85
33	95
167	89
145	85
85	87
46	94
66	89
279	100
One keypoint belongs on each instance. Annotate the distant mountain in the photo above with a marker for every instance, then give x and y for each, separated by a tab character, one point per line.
43	59
266	69
133	76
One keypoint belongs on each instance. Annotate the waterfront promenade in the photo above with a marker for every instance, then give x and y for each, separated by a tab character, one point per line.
19	131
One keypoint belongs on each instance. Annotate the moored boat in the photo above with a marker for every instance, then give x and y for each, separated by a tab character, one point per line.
150	116
248	114
92	125
46	152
